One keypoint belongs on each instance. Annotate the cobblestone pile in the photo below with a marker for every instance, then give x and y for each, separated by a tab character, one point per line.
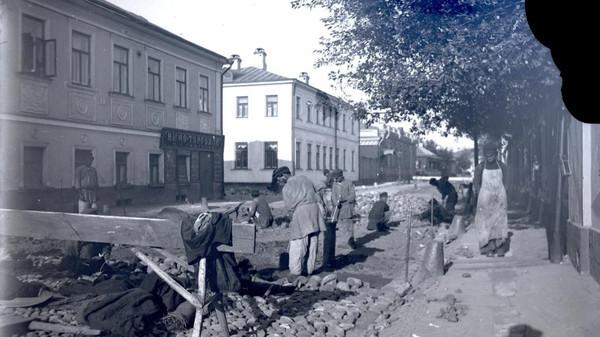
319	307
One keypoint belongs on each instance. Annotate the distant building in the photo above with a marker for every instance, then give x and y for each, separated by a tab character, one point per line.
271	121
428	163
82	77
386	154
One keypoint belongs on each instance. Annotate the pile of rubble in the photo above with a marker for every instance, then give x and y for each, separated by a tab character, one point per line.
400	204
302	306
318	307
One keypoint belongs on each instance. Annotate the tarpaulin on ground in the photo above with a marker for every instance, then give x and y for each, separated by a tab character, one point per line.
129	313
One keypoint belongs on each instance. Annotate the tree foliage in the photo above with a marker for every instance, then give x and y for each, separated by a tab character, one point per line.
462	67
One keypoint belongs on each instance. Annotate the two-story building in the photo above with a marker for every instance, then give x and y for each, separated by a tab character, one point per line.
81	77
386	154
271	121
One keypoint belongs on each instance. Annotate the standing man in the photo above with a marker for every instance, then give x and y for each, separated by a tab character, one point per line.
301	200
344	196
86	184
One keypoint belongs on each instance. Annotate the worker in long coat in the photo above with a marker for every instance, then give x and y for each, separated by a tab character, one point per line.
343	195
301	200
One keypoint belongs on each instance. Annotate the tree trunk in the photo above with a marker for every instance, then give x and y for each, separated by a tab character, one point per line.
475	151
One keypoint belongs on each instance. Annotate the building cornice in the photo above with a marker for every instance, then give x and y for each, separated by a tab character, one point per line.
76	125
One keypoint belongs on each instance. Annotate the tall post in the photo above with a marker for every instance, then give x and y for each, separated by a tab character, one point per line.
407	255
556	247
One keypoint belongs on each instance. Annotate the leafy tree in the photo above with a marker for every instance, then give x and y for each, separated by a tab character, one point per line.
463	161
462	67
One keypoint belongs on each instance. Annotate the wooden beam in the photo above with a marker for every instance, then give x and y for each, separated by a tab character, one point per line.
176	259
586	184
133	231
172	283
77	330
201	295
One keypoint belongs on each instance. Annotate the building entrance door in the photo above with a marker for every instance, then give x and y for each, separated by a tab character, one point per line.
207	173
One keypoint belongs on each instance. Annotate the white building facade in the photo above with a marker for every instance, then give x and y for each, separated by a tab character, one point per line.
271	121
81	77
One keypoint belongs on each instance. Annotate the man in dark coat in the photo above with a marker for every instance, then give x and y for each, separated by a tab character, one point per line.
447	191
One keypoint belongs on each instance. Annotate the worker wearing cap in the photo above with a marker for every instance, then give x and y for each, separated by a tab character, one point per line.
301	200
343	196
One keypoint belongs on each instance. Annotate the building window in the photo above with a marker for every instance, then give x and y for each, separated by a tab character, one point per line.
38	56
121	168
352	161
309	110
325	157
181	87
241	155
298	154
344	160
344	123
203	94
330	117
121	70
337	158
309	156
81	59
33	166
154	87
318	157
272	106
324	116
352	121
183	169
298	108
337	119
331	158
154	169
271	161
242	107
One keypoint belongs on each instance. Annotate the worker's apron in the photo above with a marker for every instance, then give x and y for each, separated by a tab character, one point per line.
491	219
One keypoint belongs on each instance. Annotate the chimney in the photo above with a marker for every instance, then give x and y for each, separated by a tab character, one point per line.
304	77
238	60
264	56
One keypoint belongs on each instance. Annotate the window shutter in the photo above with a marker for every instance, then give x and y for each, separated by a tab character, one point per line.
50	58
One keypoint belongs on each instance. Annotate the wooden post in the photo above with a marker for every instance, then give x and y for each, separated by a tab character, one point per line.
431	205
407	255
221	315
556	247
201	294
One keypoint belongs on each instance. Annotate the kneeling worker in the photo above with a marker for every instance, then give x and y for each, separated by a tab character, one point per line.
380	214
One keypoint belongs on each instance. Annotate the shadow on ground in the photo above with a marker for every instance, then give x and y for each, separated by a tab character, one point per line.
523	330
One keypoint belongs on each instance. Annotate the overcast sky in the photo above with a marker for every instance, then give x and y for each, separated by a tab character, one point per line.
227	27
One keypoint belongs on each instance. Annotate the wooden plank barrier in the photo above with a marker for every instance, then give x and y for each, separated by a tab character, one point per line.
133	231
161	234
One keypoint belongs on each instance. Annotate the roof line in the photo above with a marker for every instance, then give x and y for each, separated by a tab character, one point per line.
107	6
